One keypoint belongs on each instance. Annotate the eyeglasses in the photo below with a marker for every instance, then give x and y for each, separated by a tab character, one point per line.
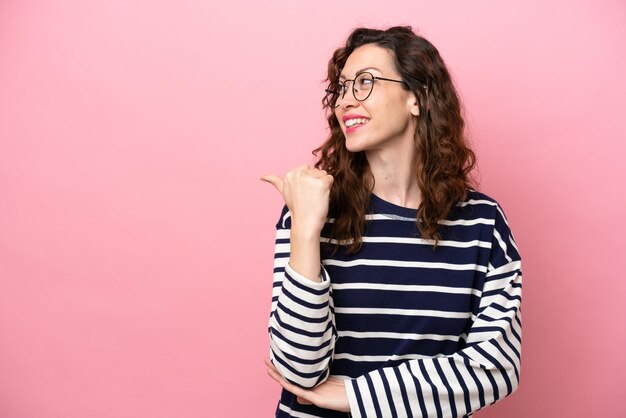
362	87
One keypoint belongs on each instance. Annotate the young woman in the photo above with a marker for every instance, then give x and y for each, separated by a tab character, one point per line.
397	285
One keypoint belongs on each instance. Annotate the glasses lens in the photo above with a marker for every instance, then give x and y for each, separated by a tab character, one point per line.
363	86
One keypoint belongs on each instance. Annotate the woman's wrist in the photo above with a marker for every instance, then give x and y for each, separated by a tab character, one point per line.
305	251
306	230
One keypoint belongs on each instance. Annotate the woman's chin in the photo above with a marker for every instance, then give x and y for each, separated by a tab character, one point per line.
354	146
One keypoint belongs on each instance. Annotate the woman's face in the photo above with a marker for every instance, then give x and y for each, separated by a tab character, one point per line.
390	110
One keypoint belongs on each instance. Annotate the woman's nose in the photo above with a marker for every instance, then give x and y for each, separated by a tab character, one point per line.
348	100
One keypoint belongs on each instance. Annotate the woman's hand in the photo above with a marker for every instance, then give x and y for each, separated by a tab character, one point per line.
306	192
330	395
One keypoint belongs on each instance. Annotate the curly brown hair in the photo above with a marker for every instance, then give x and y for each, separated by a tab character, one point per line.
444	158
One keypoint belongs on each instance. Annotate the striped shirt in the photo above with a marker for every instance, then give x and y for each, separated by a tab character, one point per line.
414	331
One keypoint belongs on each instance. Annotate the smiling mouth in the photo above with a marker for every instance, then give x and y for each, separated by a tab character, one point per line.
356	121
354	124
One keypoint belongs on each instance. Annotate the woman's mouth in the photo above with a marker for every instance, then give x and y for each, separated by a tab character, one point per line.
355	123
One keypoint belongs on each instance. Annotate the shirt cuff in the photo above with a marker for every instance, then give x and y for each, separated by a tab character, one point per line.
352	398
297	277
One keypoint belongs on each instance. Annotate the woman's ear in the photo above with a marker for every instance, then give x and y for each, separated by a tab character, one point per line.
413	106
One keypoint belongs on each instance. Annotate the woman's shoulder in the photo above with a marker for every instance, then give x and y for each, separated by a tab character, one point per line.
478	204
483	208
480	197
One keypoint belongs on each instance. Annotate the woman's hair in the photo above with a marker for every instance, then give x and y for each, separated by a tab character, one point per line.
444	158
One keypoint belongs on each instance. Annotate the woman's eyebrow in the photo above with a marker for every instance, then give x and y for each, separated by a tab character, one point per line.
360	71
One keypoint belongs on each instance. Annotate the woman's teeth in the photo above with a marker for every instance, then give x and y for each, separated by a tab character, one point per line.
352	122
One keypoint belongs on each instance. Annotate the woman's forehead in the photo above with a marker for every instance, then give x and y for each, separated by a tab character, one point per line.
368	57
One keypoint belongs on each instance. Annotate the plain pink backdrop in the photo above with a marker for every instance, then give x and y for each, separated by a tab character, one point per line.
136	240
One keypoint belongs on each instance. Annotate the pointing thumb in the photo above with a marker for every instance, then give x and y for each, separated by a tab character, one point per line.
274	180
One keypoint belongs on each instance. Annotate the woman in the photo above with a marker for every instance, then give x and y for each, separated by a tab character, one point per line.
397	285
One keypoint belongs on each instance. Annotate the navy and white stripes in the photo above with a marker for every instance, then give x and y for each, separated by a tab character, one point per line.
415	332
302	328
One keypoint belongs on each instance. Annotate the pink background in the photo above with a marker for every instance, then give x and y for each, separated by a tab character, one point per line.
136	240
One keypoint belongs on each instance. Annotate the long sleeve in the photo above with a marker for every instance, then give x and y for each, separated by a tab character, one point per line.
487	368
301	326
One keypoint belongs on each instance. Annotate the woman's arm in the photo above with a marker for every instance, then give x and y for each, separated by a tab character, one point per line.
482	373
301	327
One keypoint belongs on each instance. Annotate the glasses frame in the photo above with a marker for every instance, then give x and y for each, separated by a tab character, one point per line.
343	83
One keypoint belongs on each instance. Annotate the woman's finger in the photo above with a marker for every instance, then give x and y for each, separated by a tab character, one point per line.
303	395
269	363
274	375
318	173
275	181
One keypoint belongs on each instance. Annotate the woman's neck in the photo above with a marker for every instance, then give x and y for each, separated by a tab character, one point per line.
395	176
